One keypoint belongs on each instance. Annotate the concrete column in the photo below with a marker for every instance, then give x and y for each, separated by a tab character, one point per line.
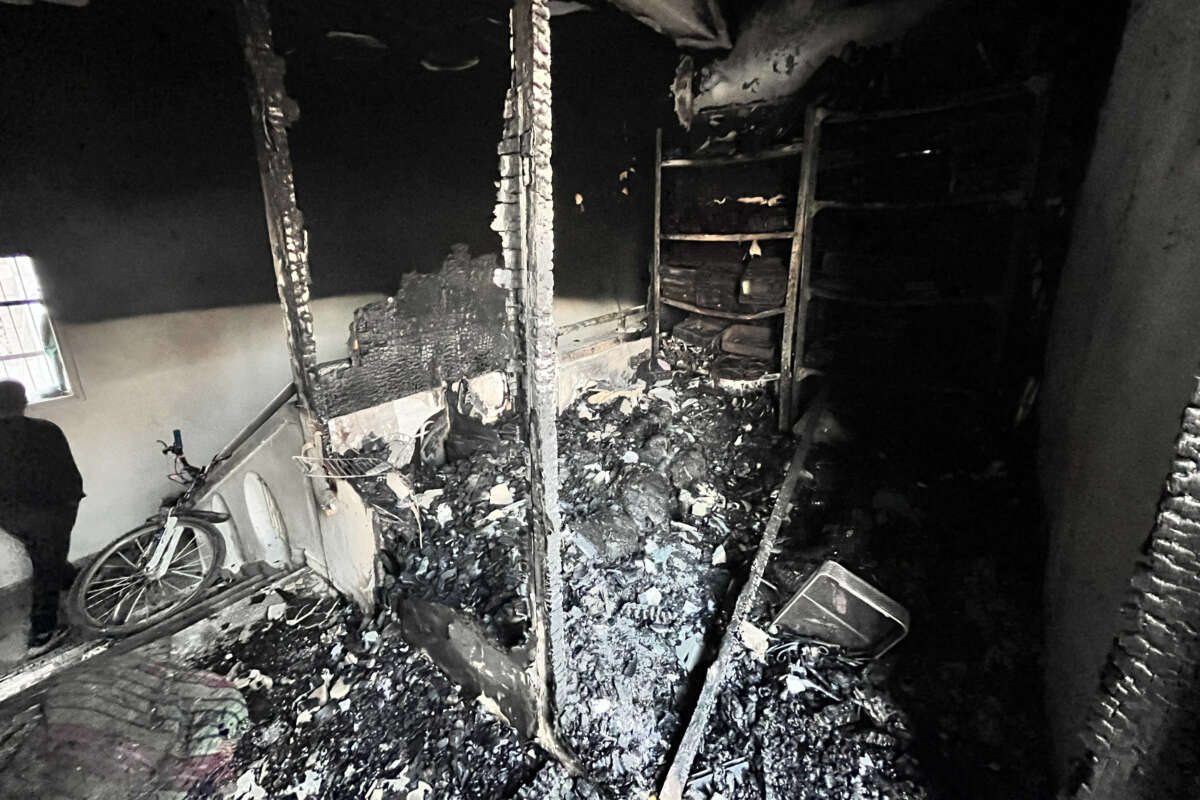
525	222
1124	347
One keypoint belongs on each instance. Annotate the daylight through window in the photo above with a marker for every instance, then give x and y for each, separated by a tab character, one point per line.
29	350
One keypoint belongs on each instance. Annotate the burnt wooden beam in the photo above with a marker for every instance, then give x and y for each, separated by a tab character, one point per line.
525	222
271	112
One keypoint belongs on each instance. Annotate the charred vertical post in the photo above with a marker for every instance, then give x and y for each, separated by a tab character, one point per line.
525	222
271	112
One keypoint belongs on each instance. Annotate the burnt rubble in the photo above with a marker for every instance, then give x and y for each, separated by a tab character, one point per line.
340	709
666	489
806	722
470	551
684	475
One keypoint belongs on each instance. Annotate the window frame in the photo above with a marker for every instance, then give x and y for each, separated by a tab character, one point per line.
53	349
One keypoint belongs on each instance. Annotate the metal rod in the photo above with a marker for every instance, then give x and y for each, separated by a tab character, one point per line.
600	320
795	318
287	393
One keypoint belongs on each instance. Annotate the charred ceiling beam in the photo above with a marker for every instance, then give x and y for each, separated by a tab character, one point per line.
525	222
271	112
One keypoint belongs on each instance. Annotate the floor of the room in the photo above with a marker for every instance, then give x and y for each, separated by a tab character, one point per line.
665	491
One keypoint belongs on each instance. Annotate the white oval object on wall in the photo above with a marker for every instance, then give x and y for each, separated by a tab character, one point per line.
270	531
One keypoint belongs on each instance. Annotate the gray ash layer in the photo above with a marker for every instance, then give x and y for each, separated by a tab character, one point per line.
808	724
661	491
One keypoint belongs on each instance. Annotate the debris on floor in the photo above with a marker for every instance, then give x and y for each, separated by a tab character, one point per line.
340	709
665	492
133	726
469	552
808	724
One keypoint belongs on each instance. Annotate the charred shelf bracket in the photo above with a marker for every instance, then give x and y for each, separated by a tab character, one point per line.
525	222
271	112
1139	739
693	737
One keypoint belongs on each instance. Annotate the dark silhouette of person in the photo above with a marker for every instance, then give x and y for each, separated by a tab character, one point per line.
40	490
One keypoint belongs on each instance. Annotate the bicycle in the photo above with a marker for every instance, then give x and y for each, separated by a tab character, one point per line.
157	569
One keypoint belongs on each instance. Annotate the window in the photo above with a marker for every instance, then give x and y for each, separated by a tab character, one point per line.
29	351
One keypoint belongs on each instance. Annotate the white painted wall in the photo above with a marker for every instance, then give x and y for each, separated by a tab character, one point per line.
207	373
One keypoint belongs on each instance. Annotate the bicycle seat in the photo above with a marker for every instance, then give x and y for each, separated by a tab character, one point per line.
206	516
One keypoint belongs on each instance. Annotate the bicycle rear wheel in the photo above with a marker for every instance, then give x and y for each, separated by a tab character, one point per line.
115	595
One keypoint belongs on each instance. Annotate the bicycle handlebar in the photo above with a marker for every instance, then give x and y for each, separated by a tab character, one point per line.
177	447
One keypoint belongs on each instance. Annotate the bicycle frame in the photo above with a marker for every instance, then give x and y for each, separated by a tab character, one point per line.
164	549
168	539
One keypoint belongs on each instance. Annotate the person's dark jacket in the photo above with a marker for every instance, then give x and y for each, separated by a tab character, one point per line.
36	466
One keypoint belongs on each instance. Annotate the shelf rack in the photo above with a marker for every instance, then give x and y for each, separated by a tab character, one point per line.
787	310
809	207
802	289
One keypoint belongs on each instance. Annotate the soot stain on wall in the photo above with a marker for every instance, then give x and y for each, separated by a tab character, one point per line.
129	173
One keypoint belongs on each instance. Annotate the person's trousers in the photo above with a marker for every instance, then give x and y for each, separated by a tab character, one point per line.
46	533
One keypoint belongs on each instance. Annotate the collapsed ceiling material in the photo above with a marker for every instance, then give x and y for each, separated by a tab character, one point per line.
784	42
697	24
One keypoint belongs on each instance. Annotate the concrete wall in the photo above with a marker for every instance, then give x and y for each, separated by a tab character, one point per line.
131	181
1124	348
207	373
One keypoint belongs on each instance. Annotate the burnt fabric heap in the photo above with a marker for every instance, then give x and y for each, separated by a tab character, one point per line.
135	726
471	550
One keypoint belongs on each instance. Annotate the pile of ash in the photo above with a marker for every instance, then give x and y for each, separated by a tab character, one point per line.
665	488
805	723
471	550
937	508
339	709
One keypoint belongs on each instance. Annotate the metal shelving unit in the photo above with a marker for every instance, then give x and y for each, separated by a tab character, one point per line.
787	310
809	207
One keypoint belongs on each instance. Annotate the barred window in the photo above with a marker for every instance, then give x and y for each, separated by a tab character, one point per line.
29	350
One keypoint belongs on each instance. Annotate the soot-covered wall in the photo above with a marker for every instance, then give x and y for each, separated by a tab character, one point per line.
1124	349
127	169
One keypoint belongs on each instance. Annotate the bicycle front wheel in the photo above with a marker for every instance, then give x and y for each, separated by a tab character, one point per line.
116	594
